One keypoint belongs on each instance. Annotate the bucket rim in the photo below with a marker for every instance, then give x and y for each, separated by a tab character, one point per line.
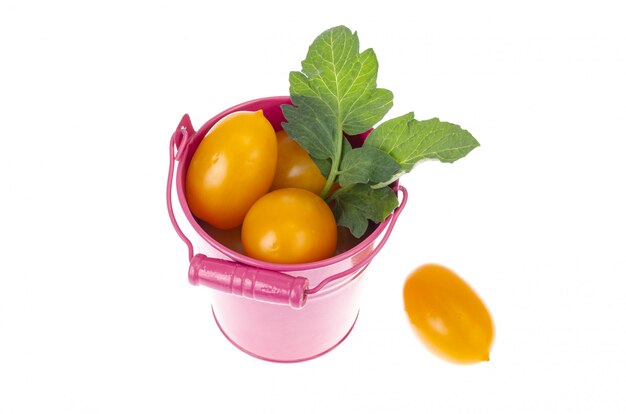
241	258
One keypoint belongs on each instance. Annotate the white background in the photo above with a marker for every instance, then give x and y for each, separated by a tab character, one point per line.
96	315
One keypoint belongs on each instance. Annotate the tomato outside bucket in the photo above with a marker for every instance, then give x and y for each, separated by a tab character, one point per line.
276	312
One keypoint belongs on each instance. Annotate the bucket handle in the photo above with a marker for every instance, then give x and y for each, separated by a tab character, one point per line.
248	281
180	139
392	222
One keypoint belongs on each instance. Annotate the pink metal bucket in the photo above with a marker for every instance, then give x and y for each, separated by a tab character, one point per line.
281	313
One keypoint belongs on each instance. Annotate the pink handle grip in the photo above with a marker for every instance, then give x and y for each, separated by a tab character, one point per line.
247	281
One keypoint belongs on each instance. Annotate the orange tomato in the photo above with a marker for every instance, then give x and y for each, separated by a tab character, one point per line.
448	315
290	225
294	168
232	168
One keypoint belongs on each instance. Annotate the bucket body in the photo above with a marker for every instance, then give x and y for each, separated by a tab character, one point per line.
283	334
271	331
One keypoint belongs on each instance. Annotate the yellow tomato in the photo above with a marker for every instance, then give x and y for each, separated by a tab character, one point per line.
447	315
289	225
294	168
232	168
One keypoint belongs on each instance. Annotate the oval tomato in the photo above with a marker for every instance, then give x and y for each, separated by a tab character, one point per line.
448	316
295	168
290	225
232	168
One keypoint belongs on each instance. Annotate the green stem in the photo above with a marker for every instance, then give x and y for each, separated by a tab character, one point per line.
334	167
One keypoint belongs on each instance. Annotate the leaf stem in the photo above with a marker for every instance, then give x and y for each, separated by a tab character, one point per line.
334	167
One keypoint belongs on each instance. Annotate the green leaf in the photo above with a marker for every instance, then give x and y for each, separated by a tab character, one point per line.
409	141
323	165
355	205
344	79
334	93
366	165
311	125
366	109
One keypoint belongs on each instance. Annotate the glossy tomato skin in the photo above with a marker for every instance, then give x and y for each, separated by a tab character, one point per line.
233	167
290	226
448	316
294	168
